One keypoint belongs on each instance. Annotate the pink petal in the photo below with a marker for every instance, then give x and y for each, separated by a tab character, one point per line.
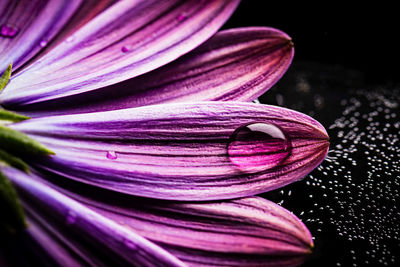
28	27
238	64
242	232
126	40
182	151
51	208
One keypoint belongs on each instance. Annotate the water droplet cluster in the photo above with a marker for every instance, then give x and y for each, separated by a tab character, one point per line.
353	197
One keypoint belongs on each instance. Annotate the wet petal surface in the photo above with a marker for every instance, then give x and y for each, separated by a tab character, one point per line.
126	40
238	64
178	151
29	27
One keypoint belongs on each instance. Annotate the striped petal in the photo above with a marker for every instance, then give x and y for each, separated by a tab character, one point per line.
244	232
126	40
57	213
238	64
27	27
198	151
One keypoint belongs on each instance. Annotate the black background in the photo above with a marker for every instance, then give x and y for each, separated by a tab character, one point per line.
363	37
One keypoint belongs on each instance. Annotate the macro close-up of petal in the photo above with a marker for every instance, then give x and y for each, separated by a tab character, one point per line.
128	39
251	231
183	151
131	135
68	216
237	64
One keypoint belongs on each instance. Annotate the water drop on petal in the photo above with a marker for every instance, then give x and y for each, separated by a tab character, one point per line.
181	17
8	31
258	147
111	155
43	43
125	49
70	39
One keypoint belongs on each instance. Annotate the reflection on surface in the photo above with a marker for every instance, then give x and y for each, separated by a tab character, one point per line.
350	203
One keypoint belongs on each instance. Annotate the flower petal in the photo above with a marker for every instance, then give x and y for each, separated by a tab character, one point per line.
92	227
127	39
27	27
57	251
181	151
241	232
238	64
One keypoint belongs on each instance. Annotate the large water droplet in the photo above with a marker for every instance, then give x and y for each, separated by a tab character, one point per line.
257	147
8	31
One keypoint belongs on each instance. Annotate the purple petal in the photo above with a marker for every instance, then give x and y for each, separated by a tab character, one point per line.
89	225
126	40
238	64
183	151
28	27
54	247
242	232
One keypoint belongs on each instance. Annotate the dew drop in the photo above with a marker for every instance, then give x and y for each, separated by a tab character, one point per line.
258	146
43	43
125	49
70	39
181	17
111	155
8	31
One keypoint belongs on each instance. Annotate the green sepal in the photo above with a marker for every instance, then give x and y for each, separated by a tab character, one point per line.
12	161
19	144
12	217
11	116
5	77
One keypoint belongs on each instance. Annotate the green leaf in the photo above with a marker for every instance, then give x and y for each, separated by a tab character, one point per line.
9	160
5	77
11	116
12	217
19	144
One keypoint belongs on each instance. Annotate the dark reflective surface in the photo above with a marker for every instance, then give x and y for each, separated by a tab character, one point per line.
345	75
351	202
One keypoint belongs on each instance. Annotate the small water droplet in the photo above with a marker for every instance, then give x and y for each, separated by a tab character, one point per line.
71	218
181	17
258	146
125	49
111	155
43	43
9	31
70	39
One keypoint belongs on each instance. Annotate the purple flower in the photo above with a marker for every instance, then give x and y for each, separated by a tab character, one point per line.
139	101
